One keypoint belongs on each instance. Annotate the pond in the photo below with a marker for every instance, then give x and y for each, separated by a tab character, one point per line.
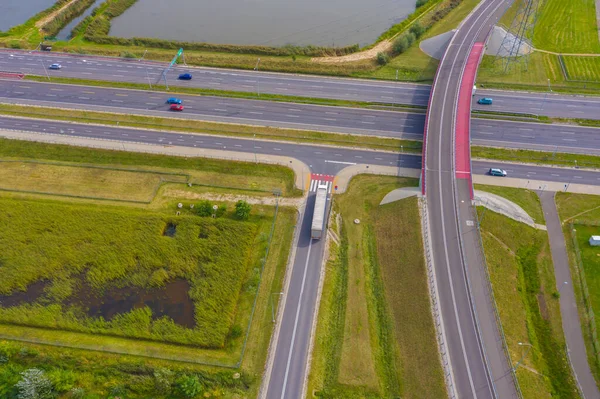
65	33
263	22
16	12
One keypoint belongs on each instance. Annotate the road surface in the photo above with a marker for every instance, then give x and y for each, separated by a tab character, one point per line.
127	70
486	132
478	362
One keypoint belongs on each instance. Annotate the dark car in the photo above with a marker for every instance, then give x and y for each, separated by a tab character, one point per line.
176	107
174	100
185	76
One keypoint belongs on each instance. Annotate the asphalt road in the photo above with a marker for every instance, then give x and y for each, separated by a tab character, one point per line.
495	133
291	350
321	159
479	365
127	70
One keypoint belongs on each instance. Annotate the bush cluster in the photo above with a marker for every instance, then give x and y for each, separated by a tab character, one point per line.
65	16
99	26
407	39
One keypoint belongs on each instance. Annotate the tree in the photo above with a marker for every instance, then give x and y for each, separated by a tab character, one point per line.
205	208
417	29
382	58
401	44
162	380
242	210
34	385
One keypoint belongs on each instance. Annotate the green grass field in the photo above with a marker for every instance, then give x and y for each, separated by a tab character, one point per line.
582	68
365	348
567	27
522	276
526	199
585	209
119	251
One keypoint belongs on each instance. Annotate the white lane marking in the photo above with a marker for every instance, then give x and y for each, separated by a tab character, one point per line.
219	143
340	162
255	113
220	110
569	139
257	146
277	149
294	109
330	119
287	367
367	123
577	177
331	113
312	184
237	145
293	116
83	98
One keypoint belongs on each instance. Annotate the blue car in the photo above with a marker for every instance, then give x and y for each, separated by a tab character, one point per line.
174	100
55	66
485	101
185	76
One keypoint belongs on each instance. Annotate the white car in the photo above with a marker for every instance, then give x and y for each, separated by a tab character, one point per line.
55	66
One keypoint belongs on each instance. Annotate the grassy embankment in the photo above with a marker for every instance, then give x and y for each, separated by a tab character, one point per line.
375	335
522	276
74	236
562	27
580	215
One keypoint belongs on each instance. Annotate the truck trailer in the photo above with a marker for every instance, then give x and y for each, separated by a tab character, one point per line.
318	221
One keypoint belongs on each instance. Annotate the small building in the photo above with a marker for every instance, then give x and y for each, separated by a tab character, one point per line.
595	241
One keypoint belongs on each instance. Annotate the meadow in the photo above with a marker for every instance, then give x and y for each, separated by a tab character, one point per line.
375	334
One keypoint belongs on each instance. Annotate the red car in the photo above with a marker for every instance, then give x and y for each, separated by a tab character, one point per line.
176	107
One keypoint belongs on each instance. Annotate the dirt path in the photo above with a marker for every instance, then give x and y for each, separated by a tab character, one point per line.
361	55
39	24
271	200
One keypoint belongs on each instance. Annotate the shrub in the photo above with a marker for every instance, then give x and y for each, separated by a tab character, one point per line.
221	210
117	7
15	45
77	393
421	3
400	45
382	58
417	29
205	209
34	385
98	27
127	54
189	386
242	210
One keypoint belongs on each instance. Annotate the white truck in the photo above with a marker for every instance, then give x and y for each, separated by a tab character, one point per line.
318	221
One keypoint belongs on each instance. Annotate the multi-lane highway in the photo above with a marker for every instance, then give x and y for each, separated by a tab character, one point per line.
480	368
127	70
321	159
488	132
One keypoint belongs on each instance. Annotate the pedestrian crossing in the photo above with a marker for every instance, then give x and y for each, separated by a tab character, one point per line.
317	180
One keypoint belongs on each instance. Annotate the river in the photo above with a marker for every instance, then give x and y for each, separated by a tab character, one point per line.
16	12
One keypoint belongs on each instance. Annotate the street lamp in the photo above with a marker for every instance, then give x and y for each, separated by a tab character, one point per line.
257	76
562	285
254	145
525	354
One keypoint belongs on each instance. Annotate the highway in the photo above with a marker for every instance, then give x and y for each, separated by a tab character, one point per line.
321	159
487	132
128	70
479	366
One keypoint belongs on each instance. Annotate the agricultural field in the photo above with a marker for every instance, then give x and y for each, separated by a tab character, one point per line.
375	335
522	276
567	27
580	215
89	263
582	68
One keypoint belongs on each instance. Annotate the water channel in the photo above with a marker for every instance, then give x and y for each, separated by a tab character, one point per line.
263	22
16	12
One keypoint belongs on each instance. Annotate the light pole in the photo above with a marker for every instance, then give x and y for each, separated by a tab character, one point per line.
545	96
257	80
254	145
273	305
562	285
522	357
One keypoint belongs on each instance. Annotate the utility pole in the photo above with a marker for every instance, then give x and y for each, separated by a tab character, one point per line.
254	145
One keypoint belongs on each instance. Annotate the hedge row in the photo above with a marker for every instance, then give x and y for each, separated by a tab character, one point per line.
67	15
312	51
117	7
99	26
